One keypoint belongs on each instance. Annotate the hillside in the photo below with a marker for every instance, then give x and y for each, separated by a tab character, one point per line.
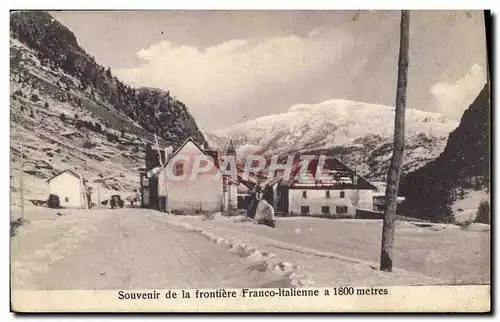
359	133
463	167
72	113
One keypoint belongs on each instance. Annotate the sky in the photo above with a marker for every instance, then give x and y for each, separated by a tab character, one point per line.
232	66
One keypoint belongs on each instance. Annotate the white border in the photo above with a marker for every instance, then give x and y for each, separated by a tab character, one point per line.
186	4
256	4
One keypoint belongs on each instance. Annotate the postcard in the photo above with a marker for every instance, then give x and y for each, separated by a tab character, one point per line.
250	161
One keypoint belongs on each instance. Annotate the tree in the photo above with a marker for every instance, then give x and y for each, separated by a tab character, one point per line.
461	192
46	105
79	124
34	98
396	165
62	117
483	213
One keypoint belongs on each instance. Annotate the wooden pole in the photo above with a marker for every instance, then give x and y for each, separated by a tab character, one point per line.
98	194
83	187
162	164
21	181
394	173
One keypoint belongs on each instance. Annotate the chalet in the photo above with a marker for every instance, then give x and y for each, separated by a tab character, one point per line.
208	192
70	188
338	190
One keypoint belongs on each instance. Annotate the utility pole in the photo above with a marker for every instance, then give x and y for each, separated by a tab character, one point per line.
98	181
162	164
83	188
394	173
21	181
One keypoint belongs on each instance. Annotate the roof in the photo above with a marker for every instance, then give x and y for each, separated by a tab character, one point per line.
332	163
189	139
247	183
74	174
230	148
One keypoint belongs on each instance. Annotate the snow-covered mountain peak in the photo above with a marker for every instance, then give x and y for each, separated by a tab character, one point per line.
342	124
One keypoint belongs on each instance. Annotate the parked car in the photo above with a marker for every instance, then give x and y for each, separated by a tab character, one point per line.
116	201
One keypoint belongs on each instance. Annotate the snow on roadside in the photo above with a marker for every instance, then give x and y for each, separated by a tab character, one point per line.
301	265
267	262
47	239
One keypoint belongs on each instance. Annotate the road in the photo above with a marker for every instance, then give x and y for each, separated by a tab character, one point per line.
144	249
121	249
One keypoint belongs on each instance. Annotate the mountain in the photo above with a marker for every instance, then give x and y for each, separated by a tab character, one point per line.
70	112
359	133
464	165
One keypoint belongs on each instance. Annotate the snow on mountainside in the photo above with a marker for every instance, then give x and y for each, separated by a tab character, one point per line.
71	113
52	123
359	133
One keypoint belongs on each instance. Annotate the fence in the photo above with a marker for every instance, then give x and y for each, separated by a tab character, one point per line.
369	214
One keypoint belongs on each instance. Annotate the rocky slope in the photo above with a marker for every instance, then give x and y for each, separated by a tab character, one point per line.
463	166
359	133
70	112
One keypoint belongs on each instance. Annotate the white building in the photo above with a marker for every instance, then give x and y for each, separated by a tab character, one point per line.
70	188
339	190
207	192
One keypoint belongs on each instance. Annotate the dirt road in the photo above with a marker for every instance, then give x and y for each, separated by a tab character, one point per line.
121	249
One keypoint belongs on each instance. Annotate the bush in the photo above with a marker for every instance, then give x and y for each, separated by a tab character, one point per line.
111	137
98	128
34	98
483	213
46	105
465	225
88	145
79	124
62	117
14	225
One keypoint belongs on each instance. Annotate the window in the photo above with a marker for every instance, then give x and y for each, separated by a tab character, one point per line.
341	209
203	163
325	209
304	209
304	194
342	194
179	169
327	194
66	199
